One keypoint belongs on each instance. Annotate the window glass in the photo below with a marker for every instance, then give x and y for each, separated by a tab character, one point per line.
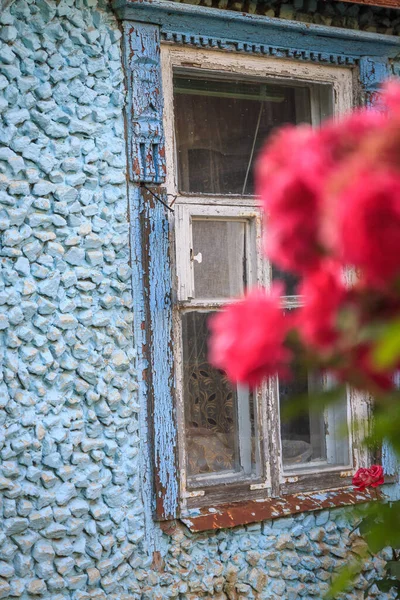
221	125
219	259
318	437
220	419
289	280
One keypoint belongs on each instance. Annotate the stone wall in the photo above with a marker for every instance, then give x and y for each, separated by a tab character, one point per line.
71	513
285	559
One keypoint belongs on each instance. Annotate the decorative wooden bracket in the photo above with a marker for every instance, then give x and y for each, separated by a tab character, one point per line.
145	104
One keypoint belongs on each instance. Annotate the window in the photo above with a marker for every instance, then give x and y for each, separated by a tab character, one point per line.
220	109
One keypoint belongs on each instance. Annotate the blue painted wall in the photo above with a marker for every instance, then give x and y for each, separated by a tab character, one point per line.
75	518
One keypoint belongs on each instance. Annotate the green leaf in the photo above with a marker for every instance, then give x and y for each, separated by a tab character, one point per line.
393	567
386	584
387	350
380	526
344	579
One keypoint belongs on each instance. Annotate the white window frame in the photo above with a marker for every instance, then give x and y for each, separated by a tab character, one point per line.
275	479
256	274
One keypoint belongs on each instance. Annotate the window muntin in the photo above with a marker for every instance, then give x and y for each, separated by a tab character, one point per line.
328	90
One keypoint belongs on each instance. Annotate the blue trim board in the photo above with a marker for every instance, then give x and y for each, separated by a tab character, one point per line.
203	26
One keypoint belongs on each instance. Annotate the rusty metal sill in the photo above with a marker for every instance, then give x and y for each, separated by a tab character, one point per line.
253	511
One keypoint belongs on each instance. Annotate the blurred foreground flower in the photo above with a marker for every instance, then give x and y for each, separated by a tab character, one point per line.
249	338
331	198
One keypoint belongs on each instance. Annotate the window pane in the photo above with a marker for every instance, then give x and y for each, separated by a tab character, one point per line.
222	124
318	437
220	420
289	280
218	258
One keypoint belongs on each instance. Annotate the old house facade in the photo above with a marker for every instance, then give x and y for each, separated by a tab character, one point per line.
129	469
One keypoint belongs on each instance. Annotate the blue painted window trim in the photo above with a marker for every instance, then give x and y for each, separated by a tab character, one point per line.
228	30
147	23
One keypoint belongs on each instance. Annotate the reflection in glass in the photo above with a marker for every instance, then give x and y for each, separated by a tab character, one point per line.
220	420
317	436
218	258
221	125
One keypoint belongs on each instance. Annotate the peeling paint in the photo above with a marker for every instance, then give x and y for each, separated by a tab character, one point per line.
146	472
373	71
151	257
205	27
243	513
142	57
390	462
165	433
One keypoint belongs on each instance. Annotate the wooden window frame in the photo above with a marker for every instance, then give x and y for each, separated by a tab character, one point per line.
183	215
276	482
371	57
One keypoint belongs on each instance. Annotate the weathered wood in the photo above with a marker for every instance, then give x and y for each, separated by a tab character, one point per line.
204	27
160	378
145	104
373	71
199	27
253	511
151	264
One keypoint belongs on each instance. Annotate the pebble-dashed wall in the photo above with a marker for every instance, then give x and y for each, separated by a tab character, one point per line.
71	514
69	438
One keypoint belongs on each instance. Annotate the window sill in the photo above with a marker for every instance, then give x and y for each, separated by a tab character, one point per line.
252	511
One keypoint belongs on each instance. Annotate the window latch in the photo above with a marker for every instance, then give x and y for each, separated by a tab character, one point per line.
198	257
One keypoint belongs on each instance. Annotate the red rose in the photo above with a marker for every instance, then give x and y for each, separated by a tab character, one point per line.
345	136
372	477
293	176
324	293
368	225
248	338
290	174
